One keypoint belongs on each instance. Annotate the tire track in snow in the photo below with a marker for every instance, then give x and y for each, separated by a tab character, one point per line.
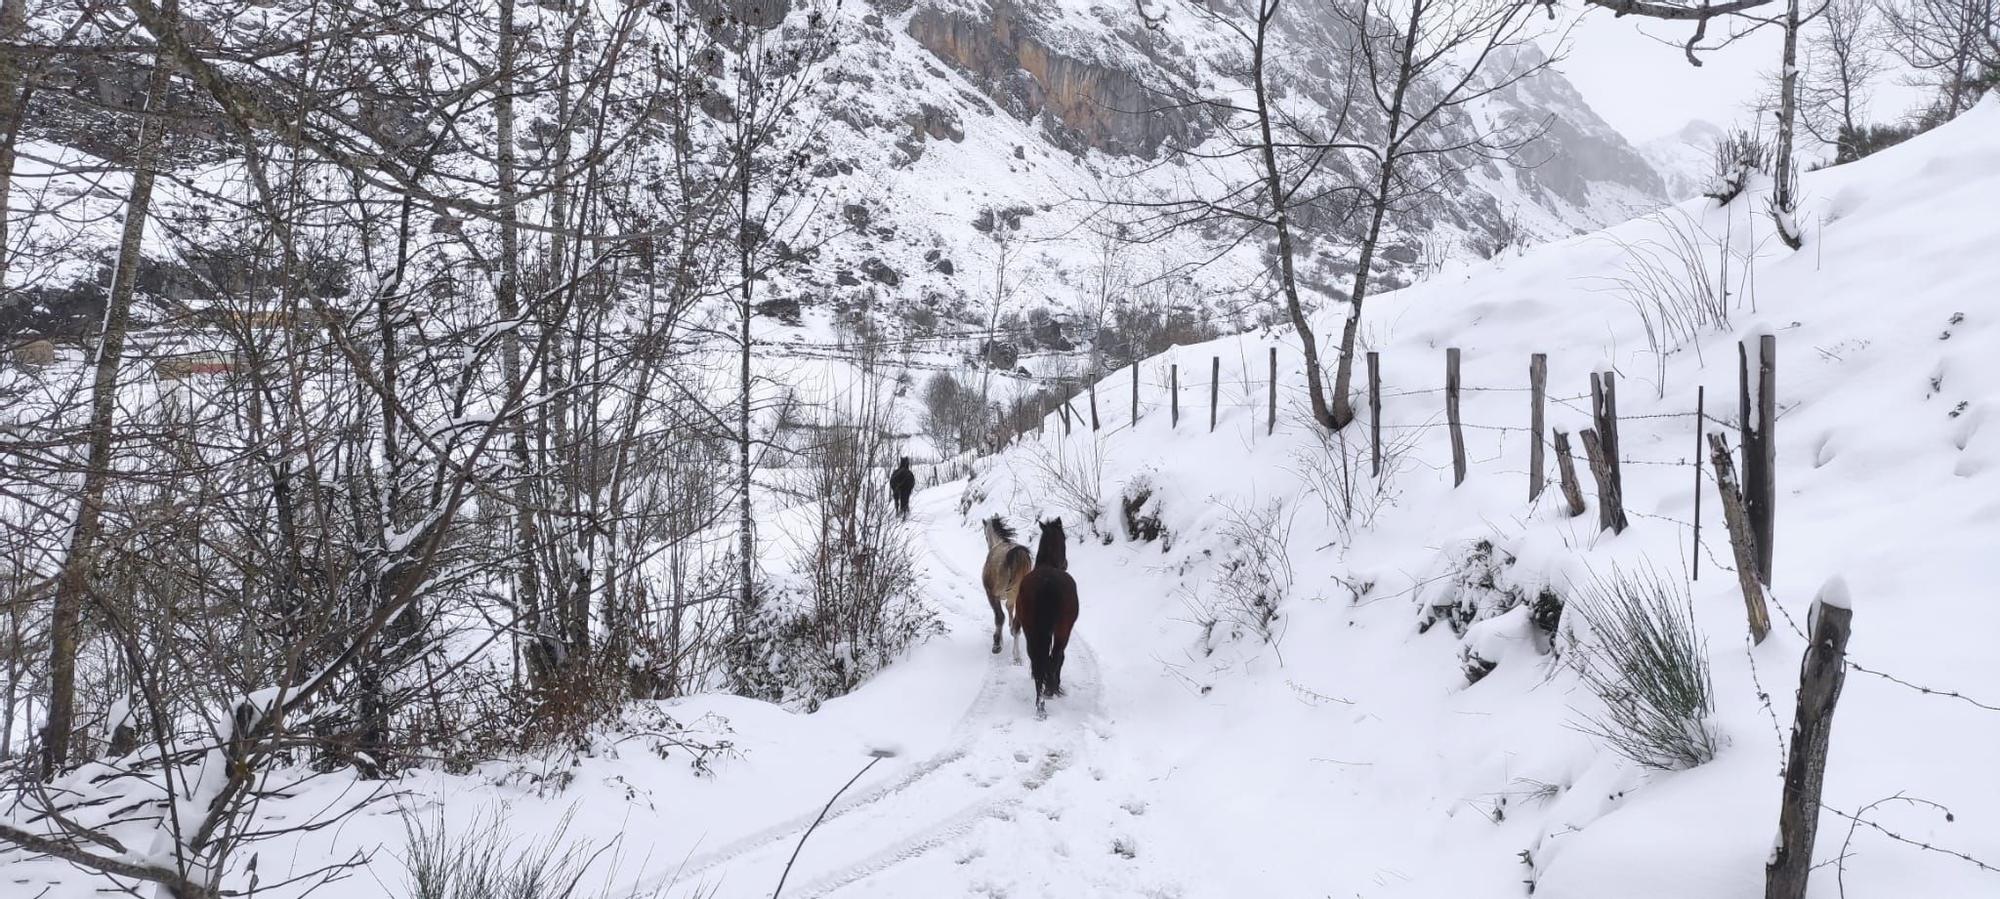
963	733
1085	704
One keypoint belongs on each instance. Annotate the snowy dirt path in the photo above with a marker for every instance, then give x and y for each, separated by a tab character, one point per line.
1008	806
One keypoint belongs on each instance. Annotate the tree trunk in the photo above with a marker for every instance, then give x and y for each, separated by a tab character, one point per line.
527	539
13	83
1281	223
746	539
73	581
1343	409
1782	201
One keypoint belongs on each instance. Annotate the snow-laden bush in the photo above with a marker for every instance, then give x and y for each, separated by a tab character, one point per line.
1648	666
1737	157
1251	580
1139	505
1475	586
1491	606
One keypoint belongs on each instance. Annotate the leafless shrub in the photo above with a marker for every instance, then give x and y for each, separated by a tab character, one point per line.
954	417
1072	477
1243	595
1338	470
850	606
1677	283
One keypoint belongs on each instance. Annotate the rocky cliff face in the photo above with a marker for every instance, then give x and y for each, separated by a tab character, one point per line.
1090	105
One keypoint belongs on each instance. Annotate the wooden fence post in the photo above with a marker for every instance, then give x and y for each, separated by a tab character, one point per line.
1610	505
1566	471
1064	409
1174	390
1271	416
1700	419
1093	406
1214	389
1604	417
1742	542
1375	409
1821	674
1451	416
1135	393
1538	377
1763	495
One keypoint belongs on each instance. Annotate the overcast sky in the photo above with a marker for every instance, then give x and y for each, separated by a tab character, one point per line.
1645	88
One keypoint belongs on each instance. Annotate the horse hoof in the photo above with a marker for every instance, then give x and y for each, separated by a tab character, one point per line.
996	649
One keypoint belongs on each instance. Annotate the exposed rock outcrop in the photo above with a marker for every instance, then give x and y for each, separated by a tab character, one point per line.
1089	104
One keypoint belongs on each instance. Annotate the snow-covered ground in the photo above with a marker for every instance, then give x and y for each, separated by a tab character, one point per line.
1349	756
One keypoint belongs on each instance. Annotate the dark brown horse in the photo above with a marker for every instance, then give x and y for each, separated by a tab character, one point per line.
900	484
1046	608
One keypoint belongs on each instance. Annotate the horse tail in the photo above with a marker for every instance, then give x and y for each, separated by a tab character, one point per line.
1015	566
1037	618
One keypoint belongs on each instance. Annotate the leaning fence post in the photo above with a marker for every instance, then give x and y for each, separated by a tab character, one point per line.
1538	376
1375	409
1271	417
1742	542
1821	674
1610	505
1093	406
1566	470
1174	391
1451	416
1214	388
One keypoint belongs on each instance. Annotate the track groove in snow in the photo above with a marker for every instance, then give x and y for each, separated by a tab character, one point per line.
991	733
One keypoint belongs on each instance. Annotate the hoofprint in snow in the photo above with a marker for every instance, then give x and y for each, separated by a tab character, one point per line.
1350	756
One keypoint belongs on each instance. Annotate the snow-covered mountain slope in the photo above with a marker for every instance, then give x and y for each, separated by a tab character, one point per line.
940	122
948	112
1685	159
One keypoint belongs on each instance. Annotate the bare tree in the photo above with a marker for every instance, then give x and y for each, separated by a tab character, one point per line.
1784	169
1843	57
1268	172
84	534
1952	45
1422	67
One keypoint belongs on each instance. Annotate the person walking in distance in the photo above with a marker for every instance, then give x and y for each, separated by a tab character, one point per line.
900	484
